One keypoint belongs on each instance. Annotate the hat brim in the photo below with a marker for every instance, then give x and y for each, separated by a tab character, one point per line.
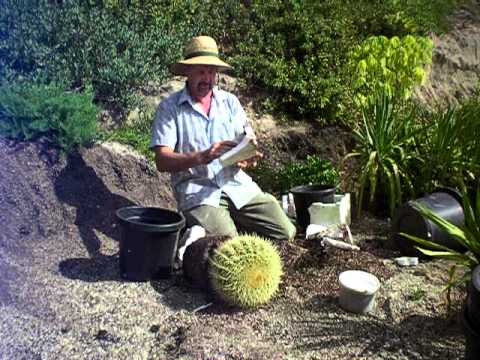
181	67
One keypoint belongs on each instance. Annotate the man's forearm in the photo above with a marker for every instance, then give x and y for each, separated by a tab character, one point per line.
174	162
168	160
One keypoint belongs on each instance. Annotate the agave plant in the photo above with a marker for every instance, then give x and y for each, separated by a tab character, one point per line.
382	146
468	235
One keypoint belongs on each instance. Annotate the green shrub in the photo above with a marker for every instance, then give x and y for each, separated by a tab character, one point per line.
393	65
296	51
384	149
448	147
246	271
313	170
117	52
280	179
28	111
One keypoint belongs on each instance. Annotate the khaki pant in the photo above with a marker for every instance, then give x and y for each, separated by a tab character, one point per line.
262	215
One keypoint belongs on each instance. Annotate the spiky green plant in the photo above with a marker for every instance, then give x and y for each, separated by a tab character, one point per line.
467	234
383	141
246	271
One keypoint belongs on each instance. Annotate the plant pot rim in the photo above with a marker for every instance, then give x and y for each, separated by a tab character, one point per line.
302	189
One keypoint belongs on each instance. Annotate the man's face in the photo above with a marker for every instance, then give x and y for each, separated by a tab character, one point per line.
201	79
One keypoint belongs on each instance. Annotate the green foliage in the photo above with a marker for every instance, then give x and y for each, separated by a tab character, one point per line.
246	271
383	143
28	111
393	65
448	147
136	134
468	235
439	151
78	43
311	171
295	50
418	294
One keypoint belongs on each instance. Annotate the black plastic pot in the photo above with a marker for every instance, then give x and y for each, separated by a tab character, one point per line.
149	242
446	203
473	299
472	345
306	195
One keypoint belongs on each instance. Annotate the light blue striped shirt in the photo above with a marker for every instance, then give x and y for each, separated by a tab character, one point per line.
183	126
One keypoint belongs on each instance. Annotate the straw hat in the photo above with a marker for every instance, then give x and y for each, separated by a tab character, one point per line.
201	50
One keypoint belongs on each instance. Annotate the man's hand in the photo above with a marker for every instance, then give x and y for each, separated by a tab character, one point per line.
252	162
215	151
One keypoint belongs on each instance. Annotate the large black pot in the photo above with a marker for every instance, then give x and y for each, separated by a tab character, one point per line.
306	195
149	242
472	335
473	299
446	203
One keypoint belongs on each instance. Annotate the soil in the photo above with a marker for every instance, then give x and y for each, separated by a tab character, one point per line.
61	294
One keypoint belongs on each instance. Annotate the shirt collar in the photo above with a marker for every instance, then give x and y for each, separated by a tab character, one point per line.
185	96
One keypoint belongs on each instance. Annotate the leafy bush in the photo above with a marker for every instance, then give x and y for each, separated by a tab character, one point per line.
295	49
393	65
311	171
28	111
117	52
280	179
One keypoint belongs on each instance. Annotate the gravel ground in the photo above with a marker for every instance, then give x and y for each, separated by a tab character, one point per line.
62	296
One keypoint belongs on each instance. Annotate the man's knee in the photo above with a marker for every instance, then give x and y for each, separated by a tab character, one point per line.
215	221
283	227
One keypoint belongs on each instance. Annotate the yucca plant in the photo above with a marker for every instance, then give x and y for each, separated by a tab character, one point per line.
382	143
468	235
442	145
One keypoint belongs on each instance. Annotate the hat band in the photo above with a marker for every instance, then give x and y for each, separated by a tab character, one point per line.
201	53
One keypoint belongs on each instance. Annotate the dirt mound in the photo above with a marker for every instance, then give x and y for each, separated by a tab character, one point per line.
44	195
455	72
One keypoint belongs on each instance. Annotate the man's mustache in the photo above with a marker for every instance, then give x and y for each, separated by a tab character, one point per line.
204	83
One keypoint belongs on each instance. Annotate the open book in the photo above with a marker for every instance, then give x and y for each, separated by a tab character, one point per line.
244	150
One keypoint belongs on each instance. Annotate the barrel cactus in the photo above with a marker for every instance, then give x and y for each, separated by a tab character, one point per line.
245	271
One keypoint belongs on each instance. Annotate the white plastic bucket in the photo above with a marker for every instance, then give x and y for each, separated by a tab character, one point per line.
357	291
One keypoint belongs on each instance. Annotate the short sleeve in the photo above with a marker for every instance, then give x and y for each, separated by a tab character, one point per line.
242	124
164	129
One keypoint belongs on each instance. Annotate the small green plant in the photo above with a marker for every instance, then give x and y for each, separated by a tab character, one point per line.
383	141
313	170
393	65
468	235
136	133
28	111
246	271
418	294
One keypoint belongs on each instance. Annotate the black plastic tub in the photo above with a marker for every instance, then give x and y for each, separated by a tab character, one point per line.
149	242
472	335
446	203
306	195
473	299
